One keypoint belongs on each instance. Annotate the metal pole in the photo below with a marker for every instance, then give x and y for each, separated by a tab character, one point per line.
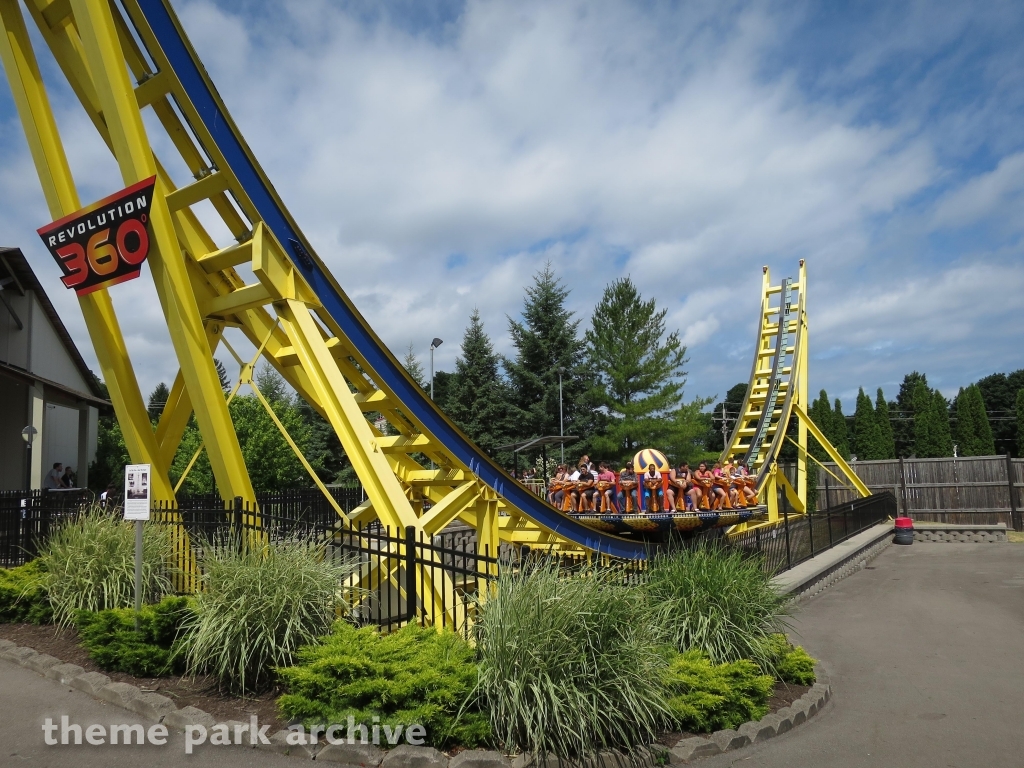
431	372
903	488
138	571
410	572
1011	476
561	421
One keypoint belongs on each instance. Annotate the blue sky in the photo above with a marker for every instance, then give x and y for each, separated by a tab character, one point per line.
437	154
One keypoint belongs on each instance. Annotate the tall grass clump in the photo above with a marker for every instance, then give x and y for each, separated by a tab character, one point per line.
258	604
88	563
719	602
568	666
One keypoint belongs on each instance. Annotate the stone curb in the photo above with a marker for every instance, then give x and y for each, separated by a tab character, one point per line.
756	731
959	534
158	708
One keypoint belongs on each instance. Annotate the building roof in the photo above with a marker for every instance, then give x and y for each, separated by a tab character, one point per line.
13	264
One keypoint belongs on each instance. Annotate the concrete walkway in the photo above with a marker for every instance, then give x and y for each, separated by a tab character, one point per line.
27	699
926	651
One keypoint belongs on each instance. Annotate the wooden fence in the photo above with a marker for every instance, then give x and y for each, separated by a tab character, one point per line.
965	490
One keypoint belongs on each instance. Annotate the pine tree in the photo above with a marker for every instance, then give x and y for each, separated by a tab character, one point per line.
821	415
973	432
157	400
999	392
886	441
271	385
478	399
840	434
640	373
222	375
545	341
932	438
903	409
866	437
415	369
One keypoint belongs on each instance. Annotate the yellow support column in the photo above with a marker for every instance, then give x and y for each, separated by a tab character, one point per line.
62	199
801	363
135	158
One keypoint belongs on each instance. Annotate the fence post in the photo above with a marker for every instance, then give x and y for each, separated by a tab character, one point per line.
1011	476
236	521
789	557
410	571
828	495
810	531
903	488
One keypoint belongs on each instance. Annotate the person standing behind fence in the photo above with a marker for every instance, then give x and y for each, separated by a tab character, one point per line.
53	477
107	496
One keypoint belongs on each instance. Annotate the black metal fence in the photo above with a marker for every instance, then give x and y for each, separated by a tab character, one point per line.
27	517
397	576
801	537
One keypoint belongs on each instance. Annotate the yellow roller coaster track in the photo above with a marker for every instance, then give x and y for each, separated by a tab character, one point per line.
123	57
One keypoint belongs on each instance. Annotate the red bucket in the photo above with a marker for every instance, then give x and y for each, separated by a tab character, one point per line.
904	530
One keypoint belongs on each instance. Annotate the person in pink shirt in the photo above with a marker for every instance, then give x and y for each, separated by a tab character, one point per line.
607	476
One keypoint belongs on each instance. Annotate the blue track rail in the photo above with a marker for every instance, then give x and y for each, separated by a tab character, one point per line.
199	88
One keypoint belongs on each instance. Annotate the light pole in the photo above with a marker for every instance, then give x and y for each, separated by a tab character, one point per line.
561	420
433	345
28	434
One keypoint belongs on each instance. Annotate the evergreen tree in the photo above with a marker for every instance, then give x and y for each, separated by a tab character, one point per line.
866	433
157	400
932	438
222	375
415	369
545	341
999	391
714	441
973	432
478	399
442	385
886	441
821	415
840	434
271	385
903	410
1020	422
640	372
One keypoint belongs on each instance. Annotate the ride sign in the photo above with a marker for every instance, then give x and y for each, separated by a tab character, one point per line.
105	243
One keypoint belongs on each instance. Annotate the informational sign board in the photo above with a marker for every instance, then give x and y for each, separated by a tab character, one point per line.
136	491
105	243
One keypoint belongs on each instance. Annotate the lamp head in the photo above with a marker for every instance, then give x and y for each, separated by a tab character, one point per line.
28	434
436	343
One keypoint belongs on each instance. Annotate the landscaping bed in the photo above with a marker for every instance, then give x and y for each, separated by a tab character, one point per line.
200	692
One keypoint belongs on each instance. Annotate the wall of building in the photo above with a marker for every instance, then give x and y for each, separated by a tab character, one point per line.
14	344
48	357
60	436
13	418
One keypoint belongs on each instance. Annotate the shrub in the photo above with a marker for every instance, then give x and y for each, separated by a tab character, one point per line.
113	643
719	602
414	675
792	664
706	697
89	564
257	606
22	596
570	666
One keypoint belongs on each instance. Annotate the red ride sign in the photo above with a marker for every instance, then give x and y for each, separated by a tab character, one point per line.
104	244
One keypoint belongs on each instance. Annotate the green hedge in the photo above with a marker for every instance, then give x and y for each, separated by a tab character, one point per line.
113	643
22	596
706	697
792	664
414	675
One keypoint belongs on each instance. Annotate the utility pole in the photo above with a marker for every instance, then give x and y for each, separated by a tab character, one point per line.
561	420
725	431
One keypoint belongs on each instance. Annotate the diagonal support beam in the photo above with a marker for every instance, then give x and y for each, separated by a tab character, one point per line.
450	507
833	454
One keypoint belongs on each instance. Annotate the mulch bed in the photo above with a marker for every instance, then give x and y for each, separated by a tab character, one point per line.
198	692
202	692
783	695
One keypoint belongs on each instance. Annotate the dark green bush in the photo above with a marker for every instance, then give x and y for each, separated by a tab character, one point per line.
414	675
706	697
22	595
718	601
791	664
113	643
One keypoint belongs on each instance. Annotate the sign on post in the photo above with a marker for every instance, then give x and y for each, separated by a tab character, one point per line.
136	492
105	243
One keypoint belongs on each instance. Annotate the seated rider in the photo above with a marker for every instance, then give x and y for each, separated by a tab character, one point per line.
607	476
652	473
702	479
555	498
717	491
682	484
747	488
626	477
587	491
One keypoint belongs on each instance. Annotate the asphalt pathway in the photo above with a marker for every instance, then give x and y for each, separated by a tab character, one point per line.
27	699
926	653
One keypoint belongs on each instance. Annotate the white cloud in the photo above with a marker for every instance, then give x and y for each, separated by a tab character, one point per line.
435	174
